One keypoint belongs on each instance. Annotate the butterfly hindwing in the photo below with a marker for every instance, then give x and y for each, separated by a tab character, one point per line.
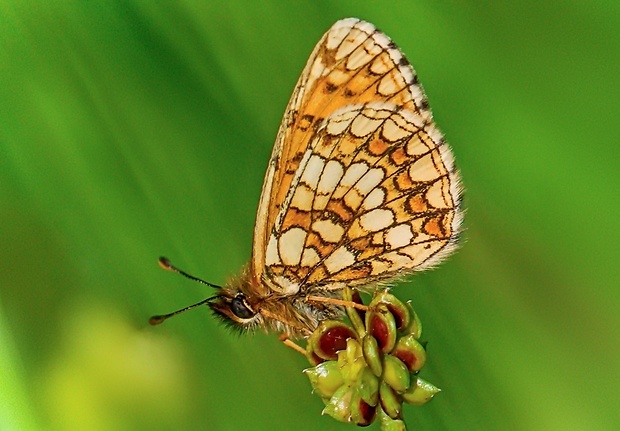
361	186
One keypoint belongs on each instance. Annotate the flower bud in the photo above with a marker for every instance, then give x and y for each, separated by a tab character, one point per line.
355	316
380	324
362	414
415	324
399	310
411	352
372	354
395	373
420	392
329	338
339	405
368	387
389	424
351	361
390	401
325	378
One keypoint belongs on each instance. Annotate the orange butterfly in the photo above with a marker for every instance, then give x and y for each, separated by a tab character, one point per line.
361	189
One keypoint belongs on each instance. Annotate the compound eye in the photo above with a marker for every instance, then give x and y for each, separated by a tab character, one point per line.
241	308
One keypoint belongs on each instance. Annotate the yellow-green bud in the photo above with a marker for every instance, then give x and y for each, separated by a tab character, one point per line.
368	387
415	324
420	392
372	354
395	373
389	424
390	401
339	405
325	378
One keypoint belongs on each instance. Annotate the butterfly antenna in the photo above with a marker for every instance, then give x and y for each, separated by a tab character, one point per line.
165	264
168	266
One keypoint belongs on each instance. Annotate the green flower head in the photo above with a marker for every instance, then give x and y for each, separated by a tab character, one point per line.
365	369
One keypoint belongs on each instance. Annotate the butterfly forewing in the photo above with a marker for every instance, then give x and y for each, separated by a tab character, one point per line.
360	186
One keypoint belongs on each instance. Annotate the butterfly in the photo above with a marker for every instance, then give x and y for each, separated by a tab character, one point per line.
361	189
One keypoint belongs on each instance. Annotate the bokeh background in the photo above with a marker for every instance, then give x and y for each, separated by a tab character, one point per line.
133	129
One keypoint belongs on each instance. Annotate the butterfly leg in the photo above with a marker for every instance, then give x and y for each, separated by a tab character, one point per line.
290	343
336	301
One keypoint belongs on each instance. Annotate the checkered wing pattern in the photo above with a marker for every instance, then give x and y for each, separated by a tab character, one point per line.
361	187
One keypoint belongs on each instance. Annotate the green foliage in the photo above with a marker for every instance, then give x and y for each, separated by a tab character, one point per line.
133	129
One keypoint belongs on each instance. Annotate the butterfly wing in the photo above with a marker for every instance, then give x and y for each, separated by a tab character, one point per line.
360	186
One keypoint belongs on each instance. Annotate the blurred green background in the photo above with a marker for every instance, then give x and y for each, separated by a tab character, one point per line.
133	129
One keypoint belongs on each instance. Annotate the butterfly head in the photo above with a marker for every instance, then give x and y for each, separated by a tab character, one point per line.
235	310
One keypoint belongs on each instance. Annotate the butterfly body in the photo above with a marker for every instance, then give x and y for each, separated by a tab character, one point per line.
360	189
241	307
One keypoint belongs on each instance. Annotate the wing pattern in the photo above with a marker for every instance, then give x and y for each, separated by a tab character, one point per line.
361	186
